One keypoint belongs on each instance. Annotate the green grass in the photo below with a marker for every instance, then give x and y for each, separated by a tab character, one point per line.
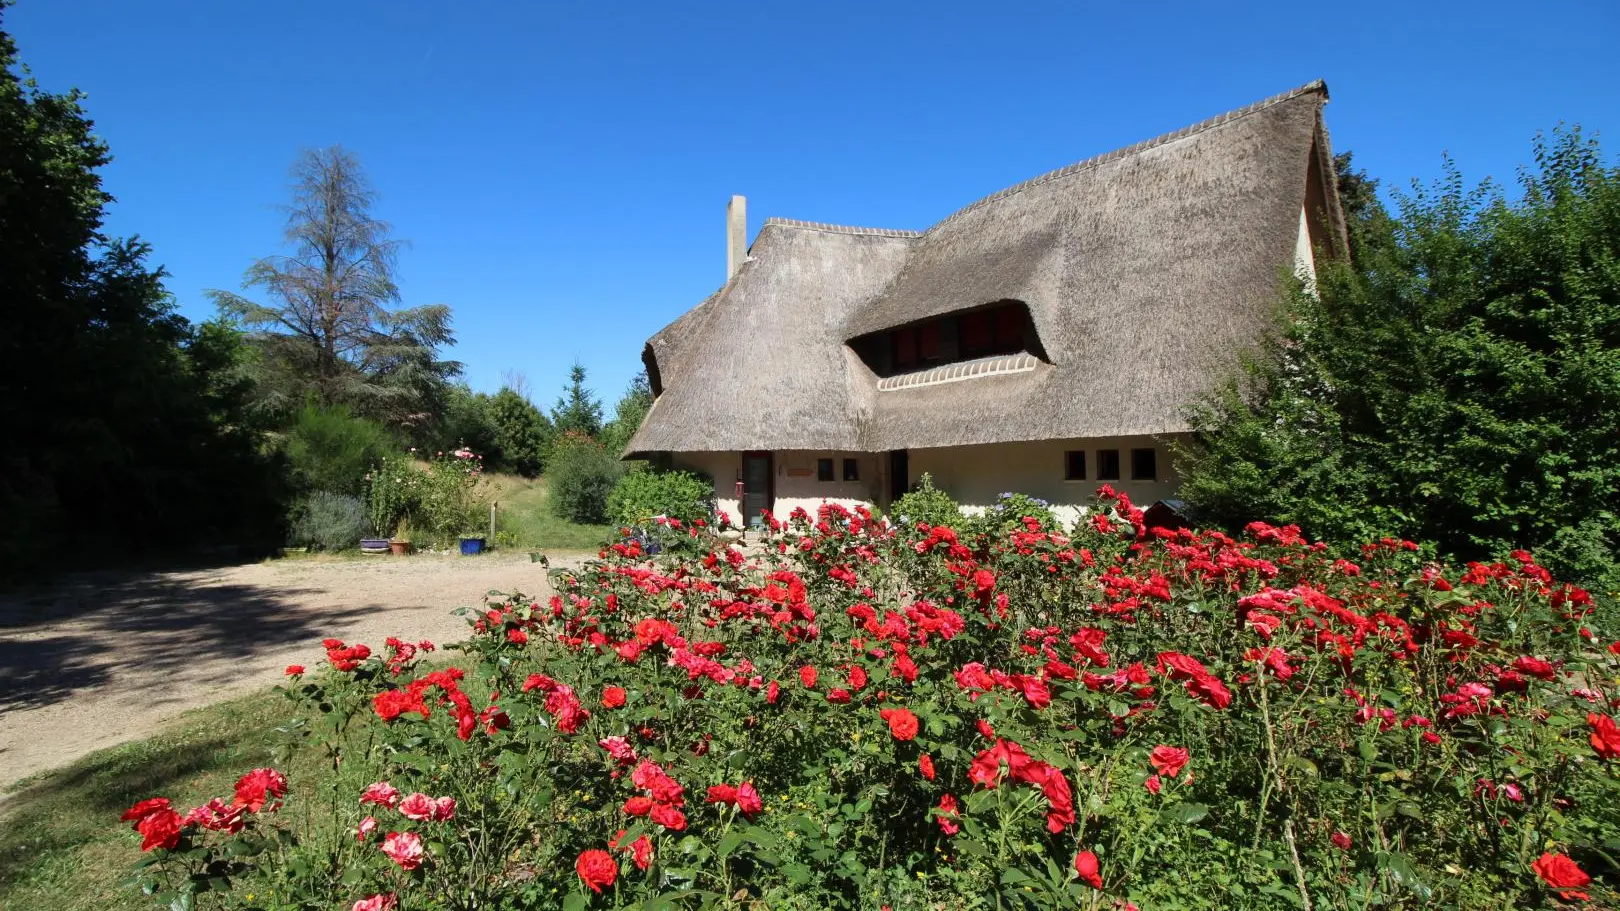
525	515
61	843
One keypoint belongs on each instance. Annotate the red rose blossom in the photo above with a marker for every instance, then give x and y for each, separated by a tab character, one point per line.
902	723
257	787
1169	761
597	868
1605	736
1561	874
404	848
1085	864
613	697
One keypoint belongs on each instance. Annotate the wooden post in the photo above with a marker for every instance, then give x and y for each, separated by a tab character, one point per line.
492	506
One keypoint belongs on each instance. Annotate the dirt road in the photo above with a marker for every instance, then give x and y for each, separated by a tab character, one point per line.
98	659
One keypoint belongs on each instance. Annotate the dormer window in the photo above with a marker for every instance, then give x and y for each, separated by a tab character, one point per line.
966	335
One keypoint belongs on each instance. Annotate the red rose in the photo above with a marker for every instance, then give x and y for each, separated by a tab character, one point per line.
294	670
1153	784
1085	864
947	815
638	806
926	764
773	692
1561	873
145	808
839	696
404	848
1605	736
597	868
1341	841
613	697
902	723
259	786
748	800
722	793
807	675
1169	761
668	816
159	829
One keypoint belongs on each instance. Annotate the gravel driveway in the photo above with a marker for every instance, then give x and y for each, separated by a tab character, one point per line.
97	659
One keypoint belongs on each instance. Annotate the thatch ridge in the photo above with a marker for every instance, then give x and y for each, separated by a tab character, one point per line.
773	221
1316	86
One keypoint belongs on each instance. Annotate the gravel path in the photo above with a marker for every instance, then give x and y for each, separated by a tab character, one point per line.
97	659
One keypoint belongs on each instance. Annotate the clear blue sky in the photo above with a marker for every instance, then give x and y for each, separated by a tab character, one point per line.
561	170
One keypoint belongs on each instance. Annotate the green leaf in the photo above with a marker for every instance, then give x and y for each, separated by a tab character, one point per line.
575	902
729	843
1400	869
1185	813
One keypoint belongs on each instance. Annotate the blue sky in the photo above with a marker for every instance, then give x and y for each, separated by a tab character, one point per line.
561	170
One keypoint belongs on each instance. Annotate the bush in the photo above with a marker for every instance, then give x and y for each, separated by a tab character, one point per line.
1456	384
645	493
581	476
329	449
858	719
393	491
329	521
451	500
925	504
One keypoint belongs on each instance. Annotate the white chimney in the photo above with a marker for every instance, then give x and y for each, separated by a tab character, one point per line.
736	234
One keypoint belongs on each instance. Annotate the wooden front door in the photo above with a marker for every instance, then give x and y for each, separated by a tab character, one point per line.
759	488
899	474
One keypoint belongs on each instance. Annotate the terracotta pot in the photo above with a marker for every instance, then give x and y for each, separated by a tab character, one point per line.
399	548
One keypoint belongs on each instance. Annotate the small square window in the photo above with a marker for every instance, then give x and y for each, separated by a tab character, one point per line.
1144	464
1074	465
852	469
824	471
1108	464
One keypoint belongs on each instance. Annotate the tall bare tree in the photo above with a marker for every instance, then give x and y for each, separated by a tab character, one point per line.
330	326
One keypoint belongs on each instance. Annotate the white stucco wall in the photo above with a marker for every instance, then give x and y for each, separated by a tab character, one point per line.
794	476
974	475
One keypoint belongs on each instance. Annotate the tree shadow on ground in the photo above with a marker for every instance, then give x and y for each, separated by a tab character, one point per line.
143	630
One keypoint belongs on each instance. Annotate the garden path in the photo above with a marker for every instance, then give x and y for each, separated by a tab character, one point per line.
97	659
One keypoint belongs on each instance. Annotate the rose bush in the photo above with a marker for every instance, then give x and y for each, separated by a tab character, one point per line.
869	716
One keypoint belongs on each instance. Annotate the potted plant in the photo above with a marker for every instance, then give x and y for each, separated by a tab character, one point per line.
472	543
400	543
374	545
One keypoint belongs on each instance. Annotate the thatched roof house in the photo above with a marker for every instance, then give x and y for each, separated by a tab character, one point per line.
1079	312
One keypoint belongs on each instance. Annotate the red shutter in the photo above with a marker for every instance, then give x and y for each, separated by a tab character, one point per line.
905	349
977	338
928	342
1009	329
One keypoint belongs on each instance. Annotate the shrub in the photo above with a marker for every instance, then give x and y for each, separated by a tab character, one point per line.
329	521
857	719
925	504
1013	512
645	493
451	499
393	492
329	449
581	475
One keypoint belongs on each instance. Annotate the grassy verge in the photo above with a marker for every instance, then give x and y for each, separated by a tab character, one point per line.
61	844
526	515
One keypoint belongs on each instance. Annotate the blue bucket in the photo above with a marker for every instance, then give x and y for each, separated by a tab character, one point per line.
472	546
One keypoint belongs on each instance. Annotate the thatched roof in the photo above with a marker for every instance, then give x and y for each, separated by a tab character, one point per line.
1146	272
